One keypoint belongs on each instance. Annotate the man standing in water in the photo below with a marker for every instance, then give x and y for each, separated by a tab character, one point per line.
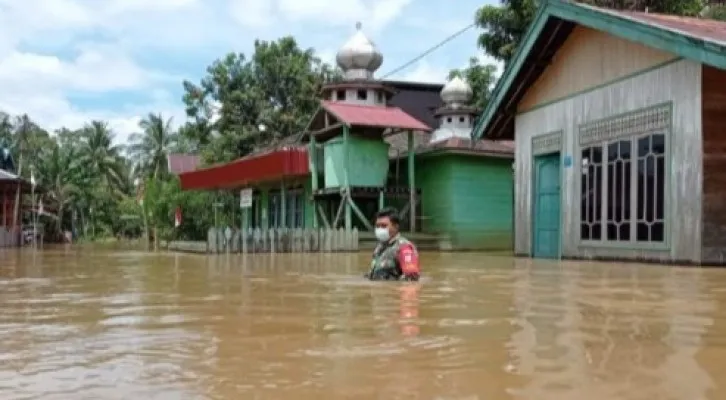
394	258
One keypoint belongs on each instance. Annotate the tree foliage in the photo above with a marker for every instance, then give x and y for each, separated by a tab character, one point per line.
245	103
98	188
505	25
717	12
481	77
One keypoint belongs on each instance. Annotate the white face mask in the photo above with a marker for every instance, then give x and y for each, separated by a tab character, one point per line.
382	234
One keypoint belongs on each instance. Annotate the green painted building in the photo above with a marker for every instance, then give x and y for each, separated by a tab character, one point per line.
381	143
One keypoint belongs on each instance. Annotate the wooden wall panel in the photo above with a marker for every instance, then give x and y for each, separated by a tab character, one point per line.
679	83
587	59
714	165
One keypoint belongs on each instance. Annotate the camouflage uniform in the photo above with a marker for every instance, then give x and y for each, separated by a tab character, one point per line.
386	263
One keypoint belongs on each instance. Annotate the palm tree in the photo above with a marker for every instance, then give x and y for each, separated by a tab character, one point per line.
102	155
21	139
150	148
64	175
6	130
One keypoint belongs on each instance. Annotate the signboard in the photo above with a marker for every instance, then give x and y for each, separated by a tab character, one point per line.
568	161
245	198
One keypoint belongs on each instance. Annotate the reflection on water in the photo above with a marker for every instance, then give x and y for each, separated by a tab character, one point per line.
114	324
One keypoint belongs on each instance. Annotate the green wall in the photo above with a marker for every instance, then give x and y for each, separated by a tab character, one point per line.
468	198
367	162
262	201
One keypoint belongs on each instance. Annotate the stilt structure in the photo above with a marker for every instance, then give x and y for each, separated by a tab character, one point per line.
348	156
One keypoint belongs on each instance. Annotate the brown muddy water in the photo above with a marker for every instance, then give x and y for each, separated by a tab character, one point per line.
122	324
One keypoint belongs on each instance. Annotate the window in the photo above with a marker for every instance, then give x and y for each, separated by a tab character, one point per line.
462	119
623	178
298	216
448	119
340	95
295	204
294	215
362	94
274	209
619	218
591	191
379	98
254	212
651	189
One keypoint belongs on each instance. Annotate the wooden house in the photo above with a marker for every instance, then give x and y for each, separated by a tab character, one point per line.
370	144
617	118
11	217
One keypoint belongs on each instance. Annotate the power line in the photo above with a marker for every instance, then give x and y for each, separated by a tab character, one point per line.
429	51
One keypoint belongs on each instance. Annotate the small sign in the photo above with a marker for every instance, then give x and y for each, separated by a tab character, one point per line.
568	161
245	198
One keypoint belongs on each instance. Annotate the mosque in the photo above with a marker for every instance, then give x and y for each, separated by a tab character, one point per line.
375	143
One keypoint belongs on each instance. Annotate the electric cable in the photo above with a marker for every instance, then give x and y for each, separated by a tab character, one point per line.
429	51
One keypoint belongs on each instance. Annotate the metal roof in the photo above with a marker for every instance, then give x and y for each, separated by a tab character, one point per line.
703	41
374	116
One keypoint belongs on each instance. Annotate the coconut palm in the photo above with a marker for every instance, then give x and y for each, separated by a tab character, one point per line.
103	156
150	148
65	177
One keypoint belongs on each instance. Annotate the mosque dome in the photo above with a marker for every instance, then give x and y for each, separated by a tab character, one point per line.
359	58
456	92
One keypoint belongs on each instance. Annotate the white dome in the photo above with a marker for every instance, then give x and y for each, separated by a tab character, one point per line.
456	92
359	58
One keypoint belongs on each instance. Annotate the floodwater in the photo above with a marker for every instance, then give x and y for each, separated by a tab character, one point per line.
122	324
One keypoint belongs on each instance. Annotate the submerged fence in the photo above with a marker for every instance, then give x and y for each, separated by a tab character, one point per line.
9	238
228	240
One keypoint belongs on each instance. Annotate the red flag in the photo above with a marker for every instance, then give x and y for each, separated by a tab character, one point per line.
177	217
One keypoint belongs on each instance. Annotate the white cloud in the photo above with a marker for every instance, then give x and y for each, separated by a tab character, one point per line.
40	83
374	14
253	13
53	52
425	72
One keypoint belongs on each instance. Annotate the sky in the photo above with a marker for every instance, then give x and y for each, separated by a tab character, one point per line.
66	62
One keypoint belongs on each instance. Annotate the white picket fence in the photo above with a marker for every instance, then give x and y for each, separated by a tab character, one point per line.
223	240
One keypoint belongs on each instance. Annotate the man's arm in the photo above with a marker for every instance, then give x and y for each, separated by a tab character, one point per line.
408	260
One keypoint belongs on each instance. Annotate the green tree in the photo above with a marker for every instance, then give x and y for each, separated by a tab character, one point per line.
716	11
480	77
63	176
245	103
150	148
103	156
505	25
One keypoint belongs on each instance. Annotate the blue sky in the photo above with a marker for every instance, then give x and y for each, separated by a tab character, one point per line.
65	62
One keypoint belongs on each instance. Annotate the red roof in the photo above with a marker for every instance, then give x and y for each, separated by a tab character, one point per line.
375	116
180	163
274	165
700	28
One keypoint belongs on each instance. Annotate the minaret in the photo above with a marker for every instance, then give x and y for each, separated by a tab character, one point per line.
358	58
456	117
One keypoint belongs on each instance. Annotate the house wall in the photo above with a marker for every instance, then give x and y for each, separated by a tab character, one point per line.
713	87
587	59
678	83
468	199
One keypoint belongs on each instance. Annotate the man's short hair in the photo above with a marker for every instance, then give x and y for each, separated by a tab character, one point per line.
390	213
